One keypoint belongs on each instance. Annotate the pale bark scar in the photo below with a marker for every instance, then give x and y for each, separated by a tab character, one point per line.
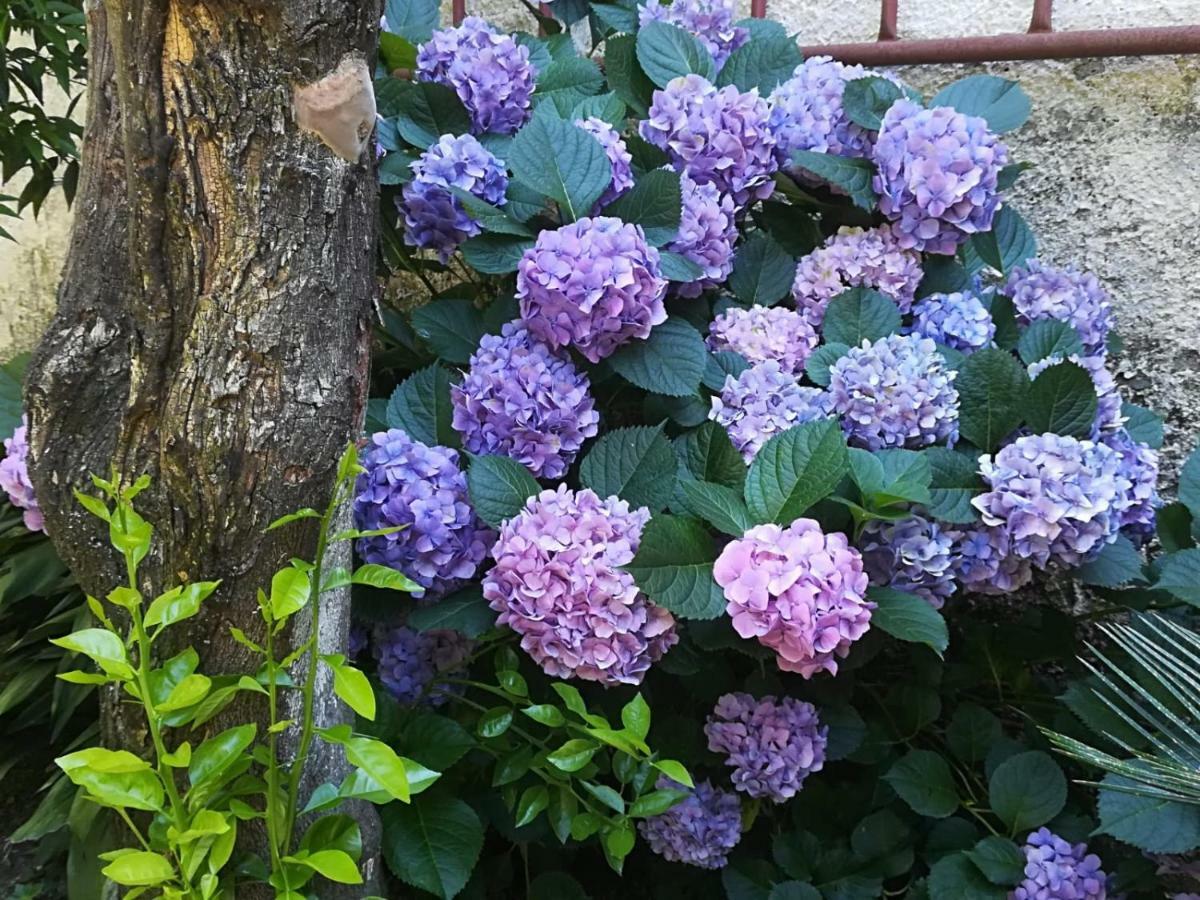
339	108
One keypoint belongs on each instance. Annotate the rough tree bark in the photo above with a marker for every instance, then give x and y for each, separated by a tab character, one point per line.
213	318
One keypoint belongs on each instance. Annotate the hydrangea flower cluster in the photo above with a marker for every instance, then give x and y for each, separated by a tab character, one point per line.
557	583
896	392
522	400
1060	499
408	483
715	136
959	321
807	112
707	233
594	284
490	72
914	555
799	591
760	403
771	744
937	175
434	219
1108	398
709	20
699	830
984	563
14	477
872	258
1057	870
410	660
1138	468
762	333
357	641
1039	291
618	156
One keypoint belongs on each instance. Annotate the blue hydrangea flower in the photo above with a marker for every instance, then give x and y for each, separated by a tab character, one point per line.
700	830
707	233
618	156
896	392
1057	870
984	563
957	320
937	175
1138	468
422	488
709	20
915	555
1067	295
409	660
434	219
761	402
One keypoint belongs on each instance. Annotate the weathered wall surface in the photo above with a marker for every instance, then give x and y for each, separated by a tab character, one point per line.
1116	188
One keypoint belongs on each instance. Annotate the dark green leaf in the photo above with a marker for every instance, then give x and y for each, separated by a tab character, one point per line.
573	75
794	470
972	732
635	464
707	454
1046	338
412	19
426	111
665	52
954	483
499	487
955	877
562	161
999	859
1189	484
670	361
852	175
762	270
1027	790
432	843
495	254
1180	575
1118	564
720	506
490	218
924	781
616	17
909	617
673	566
420	406
1000	101
818	364
993	391
677	267
1009	244
865	100
763	63
452	328
625	75
465	611
721	364
432	740
655	203
1144	425
859	314
1148	823
1062	400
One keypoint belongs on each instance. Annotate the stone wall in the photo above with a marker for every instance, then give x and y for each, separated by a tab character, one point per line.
1115	188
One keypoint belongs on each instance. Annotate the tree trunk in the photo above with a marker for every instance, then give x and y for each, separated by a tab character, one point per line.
213	318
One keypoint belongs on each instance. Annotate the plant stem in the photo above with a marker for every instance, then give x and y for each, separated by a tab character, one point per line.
273	744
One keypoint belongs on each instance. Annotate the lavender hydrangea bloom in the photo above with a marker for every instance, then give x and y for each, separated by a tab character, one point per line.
421	487
490	72
699	830
799	591
772	744
1108	410
1138	468
937	172
807	112
1060	499
856	257
434	218
1056	870
957	320
763	333
709	20
523	400
557	583
761	402
914	555
594	284
1039	291
358	641
14	477
618	156
707	233
718	137
984	563
409	660
896	392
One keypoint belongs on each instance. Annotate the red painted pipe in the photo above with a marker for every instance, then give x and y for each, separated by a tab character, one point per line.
458	11
758	9
1041	20
888	11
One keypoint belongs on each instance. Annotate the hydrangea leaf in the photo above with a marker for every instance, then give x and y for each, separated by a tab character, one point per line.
763	63
1151	824
635	464
666	51
499	487
396	52
891	476
673	567
606	107
924	781
1046	338
847	731
908	617
1009	244
1119	563
426	111
708	455
722	364
412	19
1144	425
432	843
1180	575
762	271
573	76
625	75
884	842
655	203
618	18
993	389
854	176
954	483
1027	790
562	161
865	100
956	876
670	361
1062	400
495	254
721	507
942	275
420	406
794	890
860	314
795	469
1189	483
999	859
558	885
971	732
678	268
490	218
1000	101
819	363
432	740
451	327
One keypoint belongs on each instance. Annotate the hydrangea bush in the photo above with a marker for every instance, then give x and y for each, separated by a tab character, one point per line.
727	390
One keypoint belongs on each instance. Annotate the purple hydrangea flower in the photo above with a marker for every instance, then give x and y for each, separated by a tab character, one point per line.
433	217
763	333
937	172
489	71
709	20
957	320
771	744
1138	468
523	400
699	830
14	477
409	660
896	392
1108	409
799	591
914	555
1039	291
1060	499
357	642
707	233
984	563
1056	870
807	112
856	257
558	583
618	156
761	402
421	487
718	137
594	284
